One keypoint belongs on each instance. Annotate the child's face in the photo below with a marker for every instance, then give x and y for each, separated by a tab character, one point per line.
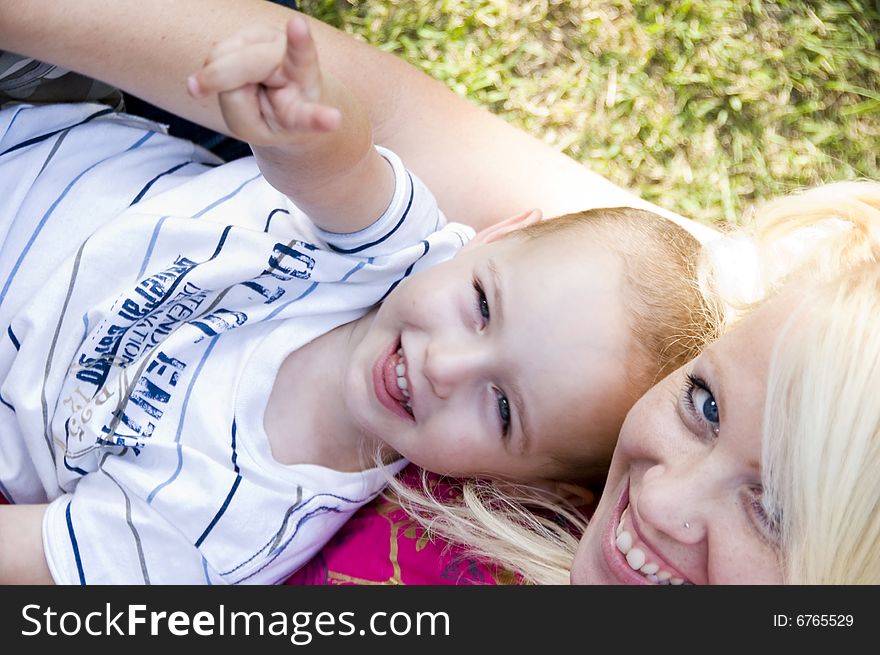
515	356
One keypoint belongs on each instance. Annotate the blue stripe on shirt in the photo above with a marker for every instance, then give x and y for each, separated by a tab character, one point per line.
274	539
42	221
231	493
272	215
313	286
149	184
280	549
3	400
198	214
407	273
150	246
75	546
229	195
183	409
43	137
305	293
18	111
387	235
12	338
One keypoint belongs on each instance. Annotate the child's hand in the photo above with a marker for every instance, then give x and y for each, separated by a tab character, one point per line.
268	84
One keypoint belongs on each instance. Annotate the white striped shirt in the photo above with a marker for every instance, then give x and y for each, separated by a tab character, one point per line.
148	297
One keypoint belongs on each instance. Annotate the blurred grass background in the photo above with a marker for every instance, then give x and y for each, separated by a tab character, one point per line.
705	108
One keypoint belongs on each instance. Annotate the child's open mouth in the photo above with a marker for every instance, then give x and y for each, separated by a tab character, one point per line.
396	382
392	385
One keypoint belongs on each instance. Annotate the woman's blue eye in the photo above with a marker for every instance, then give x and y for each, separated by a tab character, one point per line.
700	400
503	412
709	406
482	301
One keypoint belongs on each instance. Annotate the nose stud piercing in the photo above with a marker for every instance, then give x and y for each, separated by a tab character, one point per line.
687	525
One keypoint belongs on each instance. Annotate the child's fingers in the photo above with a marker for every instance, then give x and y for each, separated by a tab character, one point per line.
300	63
318	118
242	114
253	64
292	112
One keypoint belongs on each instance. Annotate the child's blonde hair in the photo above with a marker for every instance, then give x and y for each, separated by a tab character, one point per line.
668	315
533	530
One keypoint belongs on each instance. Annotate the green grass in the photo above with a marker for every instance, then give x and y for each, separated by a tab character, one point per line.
703	107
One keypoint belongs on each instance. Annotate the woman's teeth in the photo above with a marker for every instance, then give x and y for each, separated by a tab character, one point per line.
401	380
637	560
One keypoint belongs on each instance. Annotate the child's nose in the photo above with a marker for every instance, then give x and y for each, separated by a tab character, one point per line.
449	364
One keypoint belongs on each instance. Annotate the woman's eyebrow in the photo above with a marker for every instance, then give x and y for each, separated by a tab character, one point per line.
518	402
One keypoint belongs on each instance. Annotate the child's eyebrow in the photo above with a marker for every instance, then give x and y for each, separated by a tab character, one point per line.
497	290
498	311
526	441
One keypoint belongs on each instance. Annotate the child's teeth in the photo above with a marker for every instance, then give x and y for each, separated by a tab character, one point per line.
400	369
624	542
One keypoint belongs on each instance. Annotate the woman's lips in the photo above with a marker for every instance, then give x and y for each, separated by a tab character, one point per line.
615	560
638	553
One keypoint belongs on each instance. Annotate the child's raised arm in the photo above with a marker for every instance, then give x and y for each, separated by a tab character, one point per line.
311	138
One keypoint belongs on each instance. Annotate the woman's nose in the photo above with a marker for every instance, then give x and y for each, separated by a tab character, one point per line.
451	363
672	500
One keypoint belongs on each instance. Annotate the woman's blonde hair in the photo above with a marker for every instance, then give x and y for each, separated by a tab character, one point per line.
821	459
532	530
821	435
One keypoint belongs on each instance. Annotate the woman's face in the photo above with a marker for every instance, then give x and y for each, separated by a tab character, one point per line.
682	502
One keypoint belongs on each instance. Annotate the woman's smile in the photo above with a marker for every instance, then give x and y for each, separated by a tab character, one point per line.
640	556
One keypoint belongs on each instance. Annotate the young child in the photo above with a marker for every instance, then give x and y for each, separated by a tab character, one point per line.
201	385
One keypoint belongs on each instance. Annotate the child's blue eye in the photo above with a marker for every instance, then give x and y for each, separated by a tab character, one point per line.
503	412
482	301
700	401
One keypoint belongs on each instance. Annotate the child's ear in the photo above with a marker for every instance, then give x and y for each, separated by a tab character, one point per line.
508	225
576	494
